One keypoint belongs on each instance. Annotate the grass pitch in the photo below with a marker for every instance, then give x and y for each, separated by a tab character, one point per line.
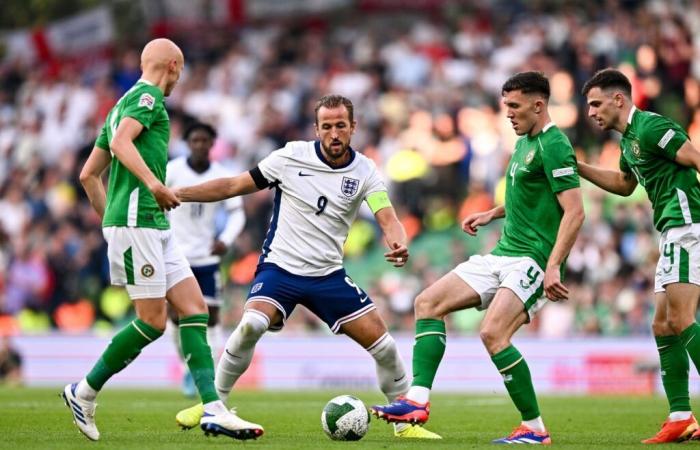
140	419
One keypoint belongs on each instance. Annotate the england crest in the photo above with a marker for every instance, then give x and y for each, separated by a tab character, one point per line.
349	186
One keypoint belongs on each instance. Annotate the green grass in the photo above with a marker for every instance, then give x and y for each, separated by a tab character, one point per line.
140	419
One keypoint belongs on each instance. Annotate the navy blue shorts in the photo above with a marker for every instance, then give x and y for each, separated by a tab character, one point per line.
209	280
334	298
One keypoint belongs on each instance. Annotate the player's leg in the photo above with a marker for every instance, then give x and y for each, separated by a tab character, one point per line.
136	261
515	303
450	293
240	345
186	298
370	331
674	365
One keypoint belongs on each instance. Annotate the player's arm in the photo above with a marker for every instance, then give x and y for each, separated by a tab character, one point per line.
234	225
475	220
223	188
394	232
615	181
123	147
688	155
91	178
571	221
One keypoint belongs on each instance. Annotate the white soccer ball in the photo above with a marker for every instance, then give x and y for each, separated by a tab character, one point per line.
345	418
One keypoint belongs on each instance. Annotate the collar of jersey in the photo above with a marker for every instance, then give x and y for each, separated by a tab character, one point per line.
629	119
319	153
145	81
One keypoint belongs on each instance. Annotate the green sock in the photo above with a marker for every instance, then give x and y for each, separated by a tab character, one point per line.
124	348
516	376
193	336
428	351
691	341
674	371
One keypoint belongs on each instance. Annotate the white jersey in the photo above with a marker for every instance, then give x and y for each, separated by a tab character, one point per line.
314	207
194	224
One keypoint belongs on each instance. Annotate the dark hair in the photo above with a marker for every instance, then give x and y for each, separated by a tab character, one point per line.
194	126
527	83
333	101
608	79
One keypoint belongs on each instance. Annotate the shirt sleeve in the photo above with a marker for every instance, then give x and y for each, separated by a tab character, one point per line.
272	167
662	136
103	140
374	183
560	166
624	167
140	105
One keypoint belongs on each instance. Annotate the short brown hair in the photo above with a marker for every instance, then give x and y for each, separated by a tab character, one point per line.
527	83
334	101
607	79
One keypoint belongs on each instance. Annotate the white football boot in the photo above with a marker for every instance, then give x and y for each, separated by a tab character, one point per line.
83	412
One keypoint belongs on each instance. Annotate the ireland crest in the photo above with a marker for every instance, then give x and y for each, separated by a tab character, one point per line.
530	156
349	186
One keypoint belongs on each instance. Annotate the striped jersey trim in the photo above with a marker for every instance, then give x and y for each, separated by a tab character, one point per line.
133	209
428	333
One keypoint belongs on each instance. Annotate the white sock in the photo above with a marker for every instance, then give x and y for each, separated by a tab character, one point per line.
393	380
215	407
85	392
239	351
214	340
675	416
418	394
535	424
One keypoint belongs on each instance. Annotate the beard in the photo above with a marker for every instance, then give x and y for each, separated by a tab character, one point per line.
336	152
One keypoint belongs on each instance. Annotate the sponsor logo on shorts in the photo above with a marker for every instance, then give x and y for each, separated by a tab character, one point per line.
147	270
256	287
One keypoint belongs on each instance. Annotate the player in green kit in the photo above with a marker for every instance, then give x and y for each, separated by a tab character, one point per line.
543	212
142	254
657	153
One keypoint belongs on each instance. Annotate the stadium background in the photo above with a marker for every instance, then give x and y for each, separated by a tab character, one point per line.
425	77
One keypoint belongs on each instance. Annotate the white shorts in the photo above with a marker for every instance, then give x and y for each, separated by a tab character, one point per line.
145	260
521	274
679	260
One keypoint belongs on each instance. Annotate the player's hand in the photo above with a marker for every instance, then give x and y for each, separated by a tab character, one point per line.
553	287
166	198
218	248
470	224
398	255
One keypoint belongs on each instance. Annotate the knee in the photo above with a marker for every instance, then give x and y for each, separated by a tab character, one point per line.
662	328
424	306
155	321
493	339
676	322
252	326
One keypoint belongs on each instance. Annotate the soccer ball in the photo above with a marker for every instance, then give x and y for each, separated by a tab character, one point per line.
345	418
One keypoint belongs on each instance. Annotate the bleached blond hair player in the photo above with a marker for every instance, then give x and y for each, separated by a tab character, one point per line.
142	254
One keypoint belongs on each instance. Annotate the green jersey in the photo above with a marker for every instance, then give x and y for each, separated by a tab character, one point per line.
649	146
541	166
129	202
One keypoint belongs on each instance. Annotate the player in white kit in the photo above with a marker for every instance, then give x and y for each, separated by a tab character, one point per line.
319	188
194	226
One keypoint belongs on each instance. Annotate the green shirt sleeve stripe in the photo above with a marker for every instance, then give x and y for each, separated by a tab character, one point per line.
378	200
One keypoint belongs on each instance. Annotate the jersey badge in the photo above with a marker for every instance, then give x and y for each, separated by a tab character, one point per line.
147	270
636	151
530	156
147	100
256	287
349	186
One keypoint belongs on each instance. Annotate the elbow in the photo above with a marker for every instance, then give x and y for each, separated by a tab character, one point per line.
85	177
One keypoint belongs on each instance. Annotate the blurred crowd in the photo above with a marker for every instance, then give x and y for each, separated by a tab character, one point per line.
426	89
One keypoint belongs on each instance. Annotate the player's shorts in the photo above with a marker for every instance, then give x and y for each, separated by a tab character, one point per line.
334	298
521	274
209	280
679	260
145	260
